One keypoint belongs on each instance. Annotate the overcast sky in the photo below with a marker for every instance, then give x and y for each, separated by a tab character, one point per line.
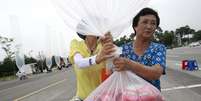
34	15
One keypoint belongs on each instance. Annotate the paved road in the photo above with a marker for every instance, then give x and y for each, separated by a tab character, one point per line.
177	85
178	54
55	86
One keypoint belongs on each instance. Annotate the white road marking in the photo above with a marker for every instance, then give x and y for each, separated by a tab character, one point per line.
37	91
181	87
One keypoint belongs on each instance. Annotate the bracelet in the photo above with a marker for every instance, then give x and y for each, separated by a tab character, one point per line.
90	61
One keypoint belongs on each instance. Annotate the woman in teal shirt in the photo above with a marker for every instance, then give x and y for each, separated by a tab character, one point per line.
142	56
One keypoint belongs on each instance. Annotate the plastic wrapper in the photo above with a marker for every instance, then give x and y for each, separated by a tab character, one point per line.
125	86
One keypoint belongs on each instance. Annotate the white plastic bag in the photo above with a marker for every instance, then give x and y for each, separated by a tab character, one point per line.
125	86
117	53
97	17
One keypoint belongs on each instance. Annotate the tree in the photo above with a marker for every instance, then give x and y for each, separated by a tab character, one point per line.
41	62
132	35
158	34
184	31
158	31
168	38
197	36
6	46
124	39
8	67
29	60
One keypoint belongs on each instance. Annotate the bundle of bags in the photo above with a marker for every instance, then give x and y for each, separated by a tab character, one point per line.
125	86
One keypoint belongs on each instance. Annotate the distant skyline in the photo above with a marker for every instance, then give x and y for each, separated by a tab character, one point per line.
34	14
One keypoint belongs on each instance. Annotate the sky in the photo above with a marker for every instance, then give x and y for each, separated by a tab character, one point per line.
38	18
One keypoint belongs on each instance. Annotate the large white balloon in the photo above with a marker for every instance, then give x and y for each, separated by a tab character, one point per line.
19	58
48	61
19	53
96	17
57	60
65	61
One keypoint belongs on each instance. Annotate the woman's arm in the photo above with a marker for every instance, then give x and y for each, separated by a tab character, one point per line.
105	53
149	73
82	62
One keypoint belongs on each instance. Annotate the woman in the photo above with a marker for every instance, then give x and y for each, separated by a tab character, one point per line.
87	58
142	56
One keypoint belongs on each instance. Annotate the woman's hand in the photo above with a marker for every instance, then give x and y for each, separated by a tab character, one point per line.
107	49
105	53
120	63
106	39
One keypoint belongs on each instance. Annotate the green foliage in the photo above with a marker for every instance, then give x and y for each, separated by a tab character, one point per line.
29	60
8	67
184	31
168	38
158	35
197	36
124	40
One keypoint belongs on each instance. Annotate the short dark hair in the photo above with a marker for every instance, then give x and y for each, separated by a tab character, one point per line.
143	12
81	36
